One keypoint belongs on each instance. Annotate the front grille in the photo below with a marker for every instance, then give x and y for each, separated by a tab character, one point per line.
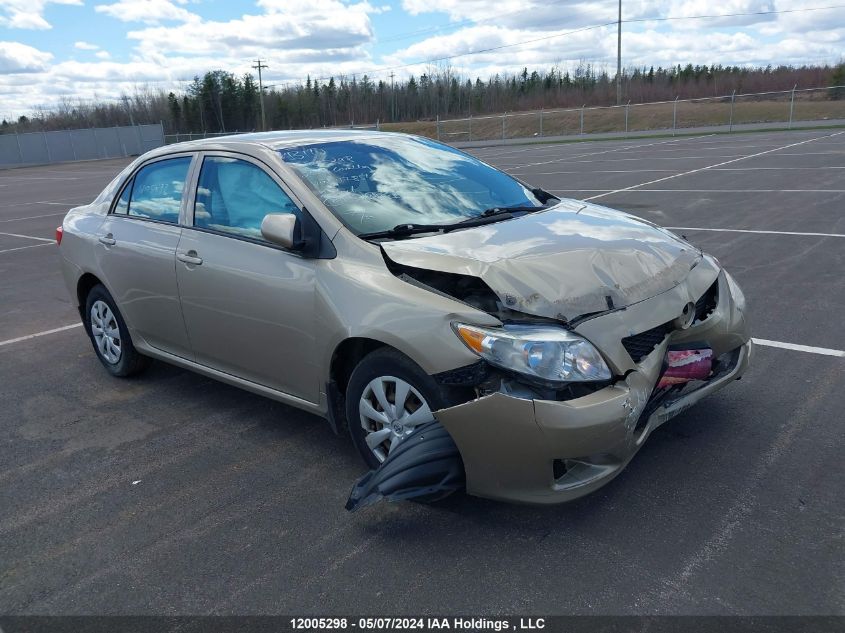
707	302
641	345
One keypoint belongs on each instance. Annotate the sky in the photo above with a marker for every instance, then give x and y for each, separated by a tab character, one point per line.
70	50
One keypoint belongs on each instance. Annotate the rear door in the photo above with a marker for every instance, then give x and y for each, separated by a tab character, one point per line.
137	252
248	304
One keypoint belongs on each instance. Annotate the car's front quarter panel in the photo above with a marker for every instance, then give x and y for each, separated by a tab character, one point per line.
358	297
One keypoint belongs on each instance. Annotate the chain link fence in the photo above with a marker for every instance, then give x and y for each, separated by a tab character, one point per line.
42	148
789	107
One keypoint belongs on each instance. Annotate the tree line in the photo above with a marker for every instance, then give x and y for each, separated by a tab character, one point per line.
221	101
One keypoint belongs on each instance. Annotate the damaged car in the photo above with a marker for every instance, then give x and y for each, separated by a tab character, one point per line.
467	330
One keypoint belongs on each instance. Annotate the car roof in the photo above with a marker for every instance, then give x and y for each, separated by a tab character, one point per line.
276	140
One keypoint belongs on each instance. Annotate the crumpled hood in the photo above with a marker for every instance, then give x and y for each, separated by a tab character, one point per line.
573	259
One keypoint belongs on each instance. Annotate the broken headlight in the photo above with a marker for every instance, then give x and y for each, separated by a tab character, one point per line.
546	353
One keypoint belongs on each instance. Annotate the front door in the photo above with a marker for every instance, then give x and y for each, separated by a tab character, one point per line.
248	304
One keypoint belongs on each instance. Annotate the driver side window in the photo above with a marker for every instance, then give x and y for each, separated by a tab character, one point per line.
233	196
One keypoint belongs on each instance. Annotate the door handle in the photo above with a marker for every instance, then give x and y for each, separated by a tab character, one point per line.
107	239
189	258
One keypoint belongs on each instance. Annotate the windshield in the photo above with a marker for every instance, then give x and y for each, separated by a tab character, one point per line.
376	183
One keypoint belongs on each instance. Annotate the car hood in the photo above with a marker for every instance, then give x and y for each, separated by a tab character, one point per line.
573	259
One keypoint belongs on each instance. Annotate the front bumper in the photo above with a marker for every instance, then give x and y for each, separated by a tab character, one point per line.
544	451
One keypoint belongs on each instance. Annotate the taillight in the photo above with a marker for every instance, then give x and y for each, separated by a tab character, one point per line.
59	233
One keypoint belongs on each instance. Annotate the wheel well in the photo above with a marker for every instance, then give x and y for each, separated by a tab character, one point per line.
347	355
83	287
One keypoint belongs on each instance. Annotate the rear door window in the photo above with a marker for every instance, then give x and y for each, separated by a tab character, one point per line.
234	195
157	190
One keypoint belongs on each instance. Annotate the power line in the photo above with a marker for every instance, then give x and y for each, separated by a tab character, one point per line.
379	71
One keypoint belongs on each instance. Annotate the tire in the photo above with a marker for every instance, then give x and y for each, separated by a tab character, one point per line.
110	336
392	366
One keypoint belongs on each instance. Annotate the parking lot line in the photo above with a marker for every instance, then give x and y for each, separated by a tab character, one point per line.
32	217
800	348
37	334
760	231
29	237
607	151
727	162
700	191
758	341
20	248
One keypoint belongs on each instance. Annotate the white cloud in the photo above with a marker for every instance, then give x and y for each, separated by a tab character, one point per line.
20	58
85	46
27	14
147	11
290	31
102	55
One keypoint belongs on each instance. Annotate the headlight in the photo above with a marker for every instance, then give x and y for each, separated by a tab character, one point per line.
548	353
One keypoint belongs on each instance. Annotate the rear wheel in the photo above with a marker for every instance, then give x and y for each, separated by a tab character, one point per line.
388	396
110	336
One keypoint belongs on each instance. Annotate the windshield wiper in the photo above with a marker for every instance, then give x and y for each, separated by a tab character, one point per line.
404	230
488	216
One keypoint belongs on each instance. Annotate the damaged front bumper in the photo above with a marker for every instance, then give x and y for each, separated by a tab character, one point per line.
548	451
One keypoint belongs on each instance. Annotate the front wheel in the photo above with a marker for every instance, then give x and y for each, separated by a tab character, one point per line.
110	336
387	398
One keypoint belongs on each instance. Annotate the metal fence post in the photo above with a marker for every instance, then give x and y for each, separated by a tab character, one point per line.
541	123
438	127
731	122
626	115
47	147
674	115
378	129
503	126
582	118
792	105
20	151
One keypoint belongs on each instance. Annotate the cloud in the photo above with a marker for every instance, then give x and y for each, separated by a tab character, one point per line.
289	31
20	58
27	14
85	46
102	55
147	11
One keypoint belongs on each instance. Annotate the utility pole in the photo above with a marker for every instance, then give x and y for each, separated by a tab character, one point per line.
619	57
259	64
392	99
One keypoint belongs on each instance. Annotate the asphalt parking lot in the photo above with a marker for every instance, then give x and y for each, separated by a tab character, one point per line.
173	494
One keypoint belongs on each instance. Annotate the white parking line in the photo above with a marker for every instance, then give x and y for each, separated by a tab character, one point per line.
700	169
698	191
694	228
824	351
607	151
37	334
20	248
43	215
29	237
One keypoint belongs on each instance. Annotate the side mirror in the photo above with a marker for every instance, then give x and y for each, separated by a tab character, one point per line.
282	229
